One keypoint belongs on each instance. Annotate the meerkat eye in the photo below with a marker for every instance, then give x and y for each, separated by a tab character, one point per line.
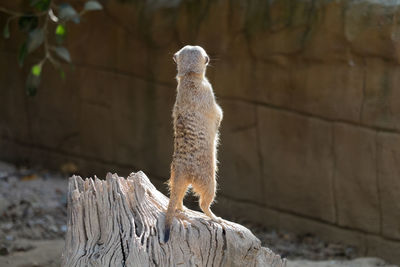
207	60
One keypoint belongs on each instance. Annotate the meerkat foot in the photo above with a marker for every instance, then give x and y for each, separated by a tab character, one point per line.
205	207
180	207
213	217
181	215
216	219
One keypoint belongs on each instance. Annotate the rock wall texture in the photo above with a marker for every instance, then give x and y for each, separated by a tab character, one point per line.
310	92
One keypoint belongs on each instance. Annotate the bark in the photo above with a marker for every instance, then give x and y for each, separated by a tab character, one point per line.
120	222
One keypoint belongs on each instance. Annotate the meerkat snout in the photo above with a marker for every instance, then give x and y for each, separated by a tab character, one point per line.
191	59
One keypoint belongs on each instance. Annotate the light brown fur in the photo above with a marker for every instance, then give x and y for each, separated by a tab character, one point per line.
196	118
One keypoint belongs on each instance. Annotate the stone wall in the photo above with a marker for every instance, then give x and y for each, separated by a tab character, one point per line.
310	92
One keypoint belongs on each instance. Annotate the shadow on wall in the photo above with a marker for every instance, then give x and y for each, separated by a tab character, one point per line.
310	140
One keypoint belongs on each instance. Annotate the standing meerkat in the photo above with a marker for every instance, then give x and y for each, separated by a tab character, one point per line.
196	119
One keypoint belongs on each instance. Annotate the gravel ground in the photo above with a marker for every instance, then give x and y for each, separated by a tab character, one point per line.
32	207
307	246
33	224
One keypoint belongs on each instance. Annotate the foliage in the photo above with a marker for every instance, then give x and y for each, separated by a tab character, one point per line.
37	24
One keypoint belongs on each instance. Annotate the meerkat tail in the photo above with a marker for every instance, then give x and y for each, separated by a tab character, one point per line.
167	228
168	217
166	233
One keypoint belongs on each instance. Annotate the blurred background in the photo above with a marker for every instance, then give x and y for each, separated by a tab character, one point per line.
310	141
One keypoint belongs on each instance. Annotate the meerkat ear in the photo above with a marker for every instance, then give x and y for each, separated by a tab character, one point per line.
174	58
207	60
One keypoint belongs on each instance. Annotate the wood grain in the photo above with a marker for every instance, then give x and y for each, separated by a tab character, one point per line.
120	222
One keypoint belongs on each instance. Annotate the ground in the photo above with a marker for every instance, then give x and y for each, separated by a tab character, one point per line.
33	224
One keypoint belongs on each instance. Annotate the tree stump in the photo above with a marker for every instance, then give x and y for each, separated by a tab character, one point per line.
120	222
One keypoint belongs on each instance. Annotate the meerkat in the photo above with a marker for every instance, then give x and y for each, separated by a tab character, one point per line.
196	120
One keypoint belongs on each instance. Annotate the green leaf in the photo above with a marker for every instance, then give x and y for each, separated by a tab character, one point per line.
36	69
63	53
92	5
67	12
6	30
60	30
28	23
35	39
23	51
32	84
40	5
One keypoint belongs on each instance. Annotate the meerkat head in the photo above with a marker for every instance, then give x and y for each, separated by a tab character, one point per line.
191	59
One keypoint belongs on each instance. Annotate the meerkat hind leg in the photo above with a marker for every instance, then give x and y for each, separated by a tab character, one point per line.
205	207
179	206
178	191
207	195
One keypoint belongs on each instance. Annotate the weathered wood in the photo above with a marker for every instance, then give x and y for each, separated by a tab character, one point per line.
120	222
